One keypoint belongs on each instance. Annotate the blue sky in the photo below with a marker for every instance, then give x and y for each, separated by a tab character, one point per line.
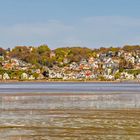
59	23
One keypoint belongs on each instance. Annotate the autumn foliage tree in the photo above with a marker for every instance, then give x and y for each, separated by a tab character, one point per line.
41	55
2	51
130	48
33	55
74	54
125	64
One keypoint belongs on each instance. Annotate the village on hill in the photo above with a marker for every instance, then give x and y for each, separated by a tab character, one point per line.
70	63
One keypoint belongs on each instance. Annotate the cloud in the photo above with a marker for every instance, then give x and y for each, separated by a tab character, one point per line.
111	30
91	32
34	33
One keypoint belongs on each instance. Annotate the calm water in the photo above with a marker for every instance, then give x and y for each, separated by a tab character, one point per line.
69	87
109	112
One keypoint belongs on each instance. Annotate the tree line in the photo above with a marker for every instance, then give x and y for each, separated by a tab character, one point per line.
44	56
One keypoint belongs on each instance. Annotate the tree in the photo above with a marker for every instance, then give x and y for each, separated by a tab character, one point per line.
43	54
2	52
125	64
43	49
117	75
130	48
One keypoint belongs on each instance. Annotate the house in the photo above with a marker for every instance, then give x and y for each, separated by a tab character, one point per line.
86	67
31	49
66	61
88	73
46	74
8	50
14	62
94	65
0	77
130	77
109	77
81	75
93	76
109	63
138	77
52	54
24	76
108	71
31	77
6	76
65	77
131	59
55	74
52	74
36	71
83	61
1	57
40	77
7	66
125	75
73	65
90	60
59	75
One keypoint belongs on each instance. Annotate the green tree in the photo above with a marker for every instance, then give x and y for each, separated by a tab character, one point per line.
43	49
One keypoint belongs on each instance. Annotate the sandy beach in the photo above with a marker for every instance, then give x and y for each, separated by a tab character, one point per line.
65	117
26	113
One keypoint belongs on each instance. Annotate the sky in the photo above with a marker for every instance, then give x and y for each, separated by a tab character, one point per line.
62	23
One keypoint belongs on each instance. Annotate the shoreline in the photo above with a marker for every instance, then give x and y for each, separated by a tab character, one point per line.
68	81
64	94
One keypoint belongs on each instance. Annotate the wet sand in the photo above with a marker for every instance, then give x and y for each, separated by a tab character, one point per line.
72	117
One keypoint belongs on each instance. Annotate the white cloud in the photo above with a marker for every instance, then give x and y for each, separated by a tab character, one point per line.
33	34
91	32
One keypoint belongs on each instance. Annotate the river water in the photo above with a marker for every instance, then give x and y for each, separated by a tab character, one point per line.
69	87
69	111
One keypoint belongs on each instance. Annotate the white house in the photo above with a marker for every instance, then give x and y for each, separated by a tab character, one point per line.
125	75
31	77
138	77
6	76
24	76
